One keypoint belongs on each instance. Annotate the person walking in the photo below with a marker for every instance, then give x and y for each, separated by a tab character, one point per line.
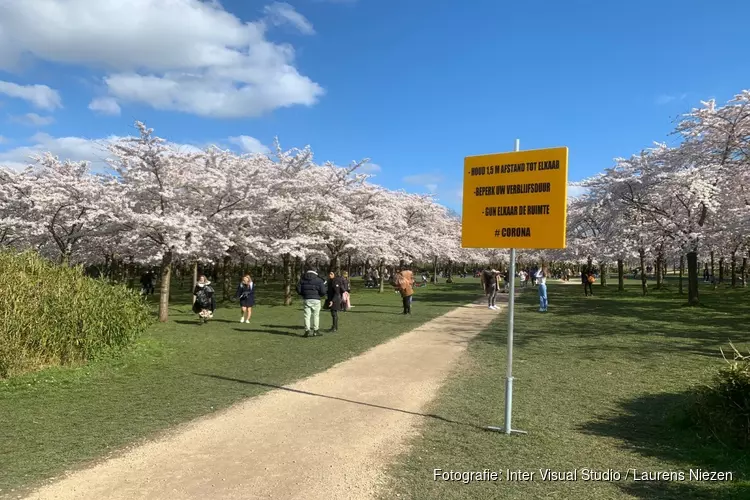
334	299
522	278
541	279
491	286
405	286
588	281
311	288
246	294
205	299
347	295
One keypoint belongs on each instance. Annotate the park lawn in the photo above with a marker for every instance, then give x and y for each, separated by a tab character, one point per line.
63	418
600	383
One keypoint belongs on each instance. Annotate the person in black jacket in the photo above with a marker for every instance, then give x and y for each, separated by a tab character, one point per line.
246	294
311	288
335	299
205	299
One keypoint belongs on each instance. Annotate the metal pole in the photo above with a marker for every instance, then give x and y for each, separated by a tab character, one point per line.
511	310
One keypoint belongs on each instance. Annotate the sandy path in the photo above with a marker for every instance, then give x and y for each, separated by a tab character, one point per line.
326	437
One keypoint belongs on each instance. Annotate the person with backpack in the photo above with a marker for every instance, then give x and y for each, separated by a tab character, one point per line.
246	294
205	299
311	288
490	284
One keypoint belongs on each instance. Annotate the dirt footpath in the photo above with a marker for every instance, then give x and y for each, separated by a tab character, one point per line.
326	437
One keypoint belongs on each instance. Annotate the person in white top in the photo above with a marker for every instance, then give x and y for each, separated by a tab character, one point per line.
541	277
522	278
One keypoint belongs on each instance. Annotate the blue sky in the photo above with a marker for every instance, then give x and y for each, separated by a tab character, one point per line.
414	85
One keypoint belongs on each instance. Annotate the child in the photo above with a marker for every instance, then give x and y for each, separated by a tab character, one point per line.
347	296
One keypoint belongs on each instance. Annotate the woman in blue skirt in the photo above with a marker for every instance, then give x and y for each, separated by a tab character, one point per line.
246	294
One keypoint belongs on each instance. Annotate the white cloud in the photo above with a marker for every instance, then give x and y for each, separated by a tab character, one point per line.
282	13
69	148
249	144
33	119
369	168
666	98
423	179
575	190
3	140
183	55
428	181
40	96
105	106
72	148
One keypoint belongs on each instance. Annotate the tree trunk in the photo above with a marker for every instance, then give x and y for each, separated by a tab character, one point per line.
743	272
620	275
297	271
287	261
734	269
381	270
226	276
721	270
692	259
659	275
349	265
195	277
682	271
435	268
603	271
166	275
644	283
712	264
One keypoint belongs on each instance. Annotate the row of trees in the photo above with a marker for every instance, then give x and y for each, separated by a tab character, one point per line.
161	206
690	202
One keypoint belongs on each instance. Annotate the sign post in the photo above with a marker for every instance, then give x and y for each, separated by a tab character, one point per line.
515	200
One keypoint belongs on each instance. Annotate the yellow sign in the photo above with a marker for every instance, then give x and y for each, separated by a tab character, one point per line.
515	200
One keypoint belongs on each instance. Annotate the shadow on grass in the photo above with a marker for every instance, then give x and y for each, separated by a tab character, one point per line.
268	330
697	331
380	407
658	426
196	322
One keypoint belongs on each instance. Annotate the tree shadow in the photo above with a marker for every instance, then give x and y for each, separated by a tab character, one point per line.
657	426
699	331
268	330
290	327
371	405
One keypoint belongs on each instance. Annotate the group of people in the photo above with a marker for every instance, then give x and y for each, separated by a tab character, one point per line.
491	283
336	291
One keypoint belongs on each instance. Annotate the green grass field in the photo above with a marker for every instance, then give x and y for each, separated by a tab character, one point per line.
600	383
60	418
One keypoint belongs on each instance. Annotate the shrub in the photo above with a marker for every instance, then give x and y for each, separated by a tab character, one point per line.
52	314
723	407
